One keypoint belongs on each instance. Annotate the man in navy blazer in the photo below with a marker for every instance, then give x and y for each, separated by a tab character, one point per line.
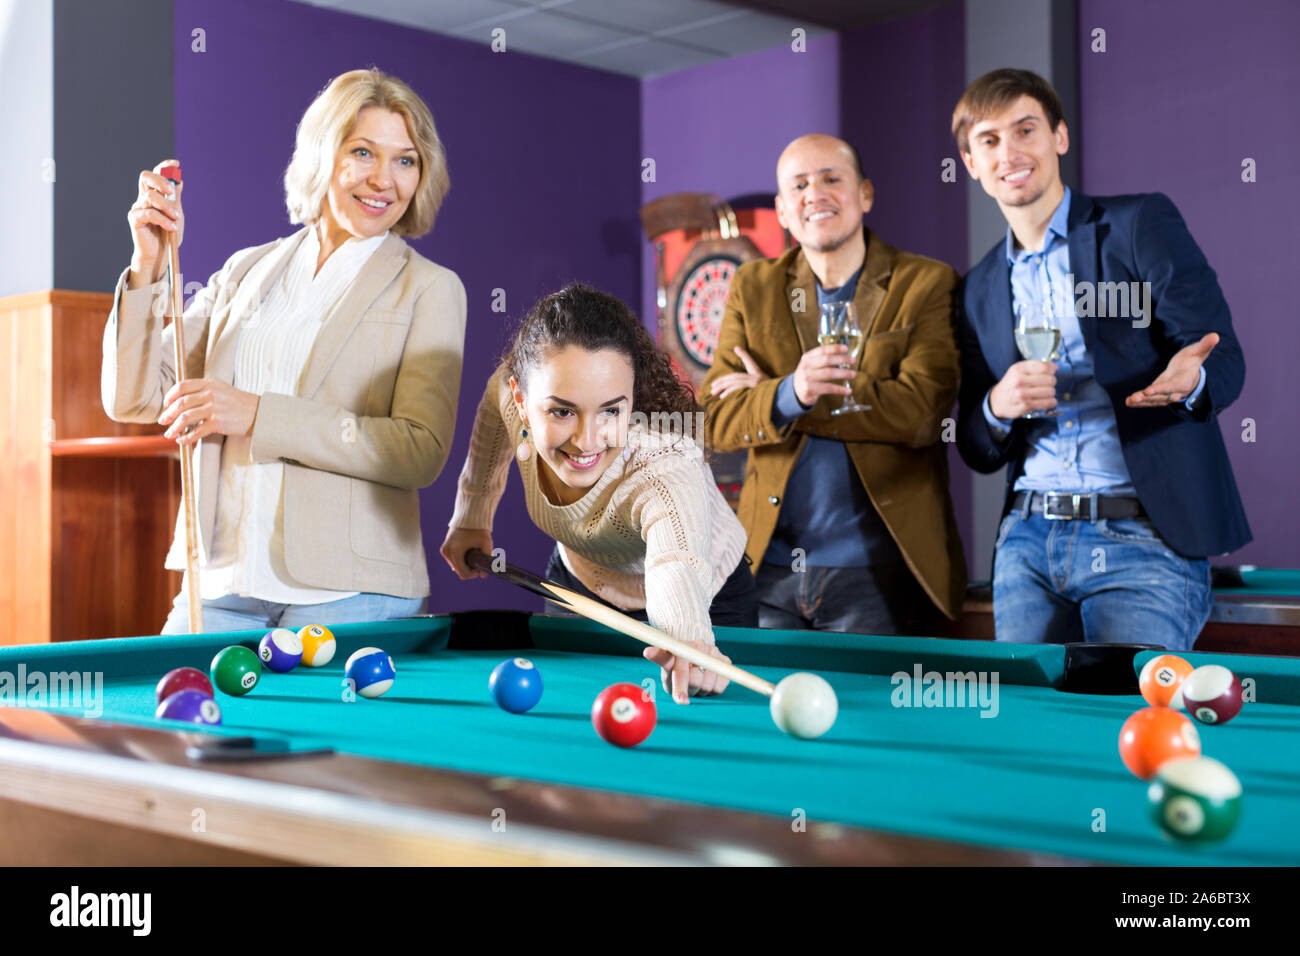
1119	483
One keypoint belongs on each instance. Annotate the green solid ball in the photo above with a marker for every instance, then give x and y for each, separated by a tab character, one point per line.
235	670
1196	799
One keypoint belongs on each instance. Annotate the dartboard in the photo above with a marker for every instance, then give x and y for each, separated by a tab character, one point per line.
700	305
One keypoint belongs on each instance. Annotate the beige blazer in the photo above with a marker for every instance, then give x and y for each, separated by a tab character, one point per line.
371	423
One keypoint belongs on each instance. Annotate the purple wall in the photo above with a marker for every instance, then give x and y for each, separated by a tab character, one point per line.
1175	105
545	186
720	127
898	84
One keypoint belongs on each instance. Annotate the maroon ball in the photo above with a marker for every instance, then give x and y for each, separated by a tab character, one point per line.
1212	694
183	678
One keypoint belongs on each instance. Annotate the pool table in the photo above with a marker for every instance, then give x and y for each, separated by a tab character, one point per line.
434	772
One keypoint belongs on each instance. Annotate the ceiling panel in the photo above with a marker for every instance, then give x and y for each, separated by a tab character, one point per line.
739	32
639	16
546	33
634	37
444	16
648	58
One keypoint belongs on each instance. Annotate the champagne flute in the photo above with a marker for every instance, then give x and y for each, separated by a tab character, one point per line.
1038	337
839	326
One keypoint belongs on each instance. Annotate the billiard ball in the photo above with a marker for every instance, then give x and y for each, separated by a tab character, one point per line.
516	685
1195	798
371	671
1154	735
280	650
623	714
317	645
189	705
1161	678
1212	694
235	670
804	706
182	678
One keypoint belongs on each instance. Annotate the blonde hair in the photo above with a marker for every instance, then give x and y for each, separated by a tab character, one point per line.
325	126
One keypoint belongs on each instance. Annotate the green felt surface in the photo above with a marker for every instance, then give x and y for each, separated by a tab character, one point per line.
1043	775
1280	582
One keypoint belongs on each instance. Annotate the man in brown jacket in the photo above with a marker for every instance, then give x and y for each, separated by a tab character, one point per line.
849	520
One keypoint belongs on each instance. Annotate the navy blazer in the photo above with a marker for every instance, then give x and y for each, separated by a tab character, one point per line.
1176	457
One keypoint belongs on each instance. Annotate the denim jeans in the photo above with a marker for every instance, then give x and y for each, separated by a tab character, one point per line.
883	599
234	613
1109	581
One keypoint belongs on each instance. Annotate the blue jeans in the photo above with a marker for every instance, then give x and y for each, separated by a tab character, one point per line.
1110	581
235	613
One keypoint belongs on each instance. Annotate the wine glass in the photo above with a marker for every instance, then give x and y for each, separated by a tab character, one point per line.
1038	337
839	326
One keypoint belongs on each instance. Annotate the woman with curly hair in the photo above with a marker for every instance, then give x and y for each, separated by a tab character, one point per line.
601	427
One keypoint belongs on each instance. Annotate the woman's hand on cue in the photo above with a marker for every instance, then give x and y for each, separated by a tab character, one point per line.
206	406
458	542
155	215
683	680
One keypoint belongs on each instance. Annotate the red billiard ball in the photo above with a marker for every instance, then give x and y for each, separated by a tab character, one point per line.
623	714
182	678
1155	735
1212	694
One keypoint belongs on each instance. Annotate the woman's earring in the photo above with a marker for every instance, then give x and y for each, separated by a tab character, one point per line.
523	450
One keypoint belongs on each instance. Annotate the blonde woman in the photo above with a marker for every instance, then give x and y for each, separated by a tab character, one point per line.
322	372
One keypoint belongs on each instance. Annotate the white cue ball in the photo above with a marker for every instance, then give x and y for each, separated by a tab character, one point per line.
804	706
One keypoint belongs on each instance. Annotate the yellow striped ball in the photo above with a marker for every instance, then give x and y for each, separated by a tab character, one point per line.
317	645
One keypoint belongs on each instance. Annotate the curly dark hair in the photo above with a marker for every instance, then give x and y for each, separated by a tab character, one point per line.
593	320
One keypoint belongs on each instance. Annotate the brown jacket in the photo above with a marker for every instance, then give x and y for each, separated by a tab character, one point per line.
908	375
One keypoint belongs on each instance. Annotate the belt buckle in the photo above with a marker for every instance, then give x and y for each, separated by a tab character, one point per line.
1051	497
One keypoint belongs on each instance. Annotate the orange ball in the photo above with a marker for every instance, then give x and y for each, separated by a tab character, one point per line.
1156	734
1161	678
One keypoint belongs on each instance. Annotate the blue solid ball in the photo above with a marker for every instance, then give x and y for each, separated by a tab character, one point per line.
280	650
516	685
371	671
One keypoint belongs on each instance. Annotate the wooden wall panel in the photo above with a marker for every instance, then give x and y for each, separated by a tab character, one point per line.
112	524
77	323
82	539
31	374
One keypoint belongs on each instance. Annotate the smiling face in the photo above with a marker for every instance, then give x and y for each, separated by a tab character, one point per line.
376	173
820	198
576	403
1015	155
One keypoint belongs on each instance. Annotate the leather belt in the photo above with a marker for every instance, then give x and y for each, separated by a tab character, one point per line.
1066	506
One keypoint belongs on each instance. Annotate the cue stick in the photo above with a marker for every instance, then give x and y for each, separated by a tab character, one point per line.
617	620
190	506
